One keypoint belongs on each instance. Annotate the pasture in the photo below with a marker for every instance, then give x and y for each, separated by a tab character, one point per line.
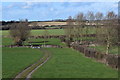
55	41
113	49
50	41
7	41
91	30
17	59
40	42
39	32
68	63
64	63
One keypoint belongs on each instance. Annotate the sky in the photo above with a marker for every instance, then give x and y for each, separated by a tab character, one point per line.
41	11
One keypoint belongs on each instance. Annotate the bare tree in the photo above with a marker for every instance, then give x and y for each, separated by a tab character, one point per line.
90	17
111	30
108	33
79	26
98	17
69	28
20	32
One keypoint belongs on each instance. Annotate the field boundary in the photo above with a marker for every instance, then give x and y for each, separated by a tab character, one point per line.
111	60
108	59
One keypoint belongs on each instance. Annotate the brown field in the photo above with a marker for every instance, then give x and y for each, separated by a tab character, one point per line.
46	23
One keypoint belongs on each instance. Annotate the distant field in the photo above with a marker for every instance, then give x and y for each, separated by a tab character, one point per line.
64	63
51	32
91	30
51	41
113	50
40	32
55	41
17	59
68	63
7	41
47	23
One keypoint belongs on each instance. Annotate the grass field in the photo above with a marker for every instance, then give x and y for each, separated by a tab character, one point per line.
51	41
7	41
112	50
68	63
55	41
51	31
40	32
16	59
64	63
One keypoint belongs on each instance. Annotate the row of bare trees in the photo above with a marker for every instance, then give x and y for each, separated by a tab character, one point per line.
105	28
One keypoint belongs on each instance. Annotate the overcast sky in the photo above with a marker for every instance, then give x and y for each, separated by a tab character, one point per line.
52	10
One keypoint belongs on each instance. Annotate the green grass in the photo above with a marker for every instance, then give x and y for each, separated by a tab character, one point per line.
51	41
51	32
17	59
91	30
7	41
64	63
68	63
39	32
113	50
4	32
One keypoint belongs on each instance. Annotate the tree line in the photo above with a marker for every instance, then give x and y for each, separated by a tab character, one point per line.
105	28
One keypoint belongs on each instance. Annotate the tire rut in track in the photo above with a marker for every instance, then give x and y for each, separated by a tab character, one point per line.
26	73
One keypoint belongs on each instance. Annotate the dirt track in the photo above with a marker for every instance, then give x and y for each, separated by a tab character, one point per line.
26	73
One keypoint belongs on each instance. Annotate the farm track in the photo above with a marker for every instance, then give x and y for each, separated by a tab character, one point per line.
26	73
